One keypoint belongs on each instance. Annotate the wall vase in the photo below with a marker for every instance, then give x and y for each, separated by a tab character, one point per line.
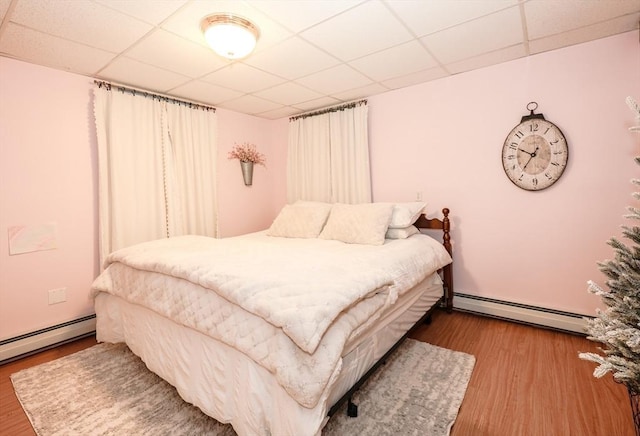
247	172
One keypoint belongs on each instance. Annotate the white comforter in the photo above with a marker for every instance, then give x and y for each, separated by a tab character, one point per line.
289	304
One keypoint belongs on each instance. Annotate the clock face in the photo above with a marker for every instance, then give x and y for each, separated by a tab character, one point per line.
535	154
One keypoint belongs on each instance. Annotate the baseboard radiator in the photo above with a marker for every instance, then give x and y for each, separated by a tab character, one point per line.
23	345
532	315
20	346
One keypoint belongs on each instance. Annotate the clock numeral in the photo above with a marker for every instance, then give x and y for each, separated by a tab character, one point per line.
534	181
513	146
558	152
519	134
533	127
511	157
548	176
554	142
521	177
547	131
555	163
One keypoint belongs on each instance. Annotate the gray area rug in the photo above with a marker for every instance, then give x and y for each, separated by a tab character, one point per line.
106	390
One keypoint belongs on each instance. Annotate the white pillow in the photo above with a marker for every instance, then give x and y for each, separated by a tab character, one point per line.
300	220
405	214
364	223
403	233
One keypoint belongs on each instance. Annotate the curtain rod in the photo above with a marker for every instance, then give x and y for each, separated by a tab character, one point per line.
342	107
108	86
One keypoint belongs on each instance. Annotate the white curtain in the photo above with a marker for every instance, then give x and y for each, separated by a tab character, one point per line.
350	168
309	160
157	165
193	202
328	156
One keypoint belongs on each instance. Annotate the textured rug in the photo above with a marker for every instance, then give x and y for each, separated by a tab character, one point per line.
106	390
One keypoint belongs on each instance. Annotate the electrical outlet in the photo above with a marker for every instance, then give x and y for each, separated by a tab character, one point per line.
58	295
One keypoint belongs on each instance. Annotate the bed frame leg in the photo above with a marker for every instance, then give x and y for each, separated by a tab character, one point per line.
352	409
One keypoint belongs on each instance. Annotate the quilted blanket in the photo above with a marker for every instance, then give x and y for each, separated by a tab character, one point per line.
290	304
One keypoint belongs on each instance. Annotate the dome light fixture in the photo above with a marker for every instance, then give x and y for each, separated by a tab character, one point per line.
229	35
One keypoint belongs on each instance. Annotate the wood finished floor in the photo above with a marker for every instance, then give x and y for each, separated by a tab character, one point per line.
527	381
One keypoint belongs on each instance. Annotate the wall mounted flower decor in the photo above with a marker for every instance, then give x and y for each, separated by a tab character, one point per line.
248	156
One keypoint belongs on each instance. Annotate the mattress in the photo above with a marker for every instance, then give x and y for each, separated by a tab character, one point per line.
228	385
291	305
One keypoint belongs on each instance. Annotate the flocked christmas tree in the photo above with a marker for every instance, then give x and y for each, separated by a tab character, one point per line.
618	326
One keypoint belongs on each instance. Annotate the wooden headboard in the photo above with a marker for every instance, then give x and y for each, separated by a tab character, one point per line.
447	272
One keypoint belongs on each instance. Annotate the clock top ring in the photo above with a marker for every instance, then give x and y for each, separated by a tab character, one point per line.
535	152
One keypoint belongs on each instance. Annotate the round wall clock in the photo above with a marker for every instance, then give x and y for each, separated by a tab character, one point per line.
535	153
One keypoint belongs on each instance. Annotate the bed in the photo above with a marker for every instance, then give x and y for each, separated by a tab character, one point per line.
272	331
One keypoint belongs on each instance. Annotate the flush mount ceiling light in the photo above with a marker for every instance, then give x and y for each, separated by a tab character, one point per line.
231	36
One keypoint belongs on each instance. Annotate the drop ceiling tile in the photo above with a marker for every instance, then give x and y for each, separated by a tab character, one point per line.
139	43
149	11
304	14
81	21
333	80
186	22
288	93
207	93
131	72
250	104
285	111
30	45
486	34
416	78
394	62
426	17
541	23
171	52
486	59
358	93
243	77
584	34
317	103
291	59
360	31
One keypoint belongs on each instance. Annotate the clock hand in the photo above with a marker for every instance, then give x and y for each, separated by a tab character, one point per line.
532	156
525	165
525	151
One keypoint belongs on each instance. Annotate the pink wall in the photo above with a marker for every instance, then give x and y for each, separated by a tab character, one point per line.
444	138
243	208
441	138
48	174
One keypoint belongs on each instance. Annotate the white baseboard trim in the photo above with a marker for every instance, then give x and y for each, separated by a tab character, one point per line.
26	344
539	316
554	319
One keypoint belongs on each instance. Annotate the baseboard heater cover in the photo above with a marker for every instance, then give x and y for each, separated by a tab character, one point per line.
539	316
22	345
549	318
